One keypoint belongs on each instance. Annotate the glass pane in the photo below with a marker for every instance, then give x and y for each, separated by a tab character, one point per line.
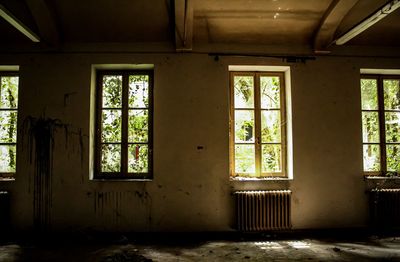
372	157
9	92
138	126
391	92
112	91
270	126
7	158
111	120
139	91
393	158
370	127
110	158
138	156
369	94
244	126
8	126
271	158
245	159
392	123
244	91
270	92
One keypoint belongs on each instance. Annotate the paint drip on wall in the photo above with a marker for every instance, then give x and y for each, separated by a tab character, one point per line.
41	133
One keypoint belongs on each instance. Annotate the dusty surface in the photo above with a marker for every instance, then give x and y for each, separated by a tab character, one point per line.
308	249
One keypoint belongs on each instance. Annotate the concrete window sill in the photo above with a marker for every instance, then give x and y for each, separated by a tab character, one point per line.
7	179
247	179
382	178
121	180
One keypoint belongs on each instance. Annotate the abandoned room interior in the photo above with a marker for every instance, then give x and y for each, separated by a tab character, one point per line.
200	117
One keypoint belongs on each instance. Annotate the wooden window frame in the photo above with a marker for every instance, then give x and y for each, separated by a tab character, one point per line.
382	123
123	174
257	126
10	175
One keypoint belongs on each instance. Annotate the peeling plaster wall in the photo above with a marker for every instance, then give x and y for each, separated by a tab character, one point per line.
191	190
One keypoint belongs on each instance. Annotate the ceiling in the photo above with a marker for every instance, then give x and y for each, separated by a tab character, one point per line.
190	23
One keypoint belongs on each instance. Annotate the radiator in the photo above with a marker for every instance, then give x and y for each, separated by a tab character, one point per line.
262	210
4	210
385	207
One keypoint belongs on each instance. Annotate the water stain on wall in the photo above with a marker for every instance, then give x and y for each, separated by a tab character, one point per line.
41	140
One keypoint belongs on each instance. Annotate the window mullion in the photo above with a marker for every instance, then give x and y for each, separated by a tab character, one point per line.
232	126
124	131
99	129
257	123
282	109
382	135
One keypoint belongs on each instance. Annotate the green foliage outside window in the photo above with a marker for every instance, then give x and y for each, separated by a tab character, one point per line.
8	123
257	101
388	122
125	127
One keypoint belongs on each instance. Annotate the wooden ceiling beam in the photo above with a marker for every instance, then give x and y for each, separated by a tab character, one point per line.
183	25
324	35
12	19
45	21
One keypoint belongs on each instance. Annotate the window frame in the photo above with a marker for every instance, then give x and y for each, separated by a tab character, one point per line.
381	122
123	174
257	126
11	175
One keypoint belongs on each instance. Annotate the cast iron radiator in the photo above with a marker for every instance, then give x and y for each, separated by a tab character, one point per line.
385	207
4	210
262	210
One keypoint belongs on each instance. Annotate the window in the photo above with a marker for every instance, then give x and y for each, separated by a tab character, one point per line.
124	124
8	123
257	125
380	104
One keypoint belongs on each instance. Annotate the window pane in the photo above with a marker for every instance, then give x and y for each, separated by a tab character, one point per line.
112	91
110	158
7	158
270	92
138	156
139	91
244	91
244	126
270	126
271	158
392	123
391	91
393	158
8	126
111	120
9	92
369	94
138	126
370	126
372	157
245	159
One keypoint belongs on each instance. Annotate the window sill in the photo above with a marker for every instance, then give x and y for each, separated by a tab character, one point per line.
251	179
121	180
7	179
382	177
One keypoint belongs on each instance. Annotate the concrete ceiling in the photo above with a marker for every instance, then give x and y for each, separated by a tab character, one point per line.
187	23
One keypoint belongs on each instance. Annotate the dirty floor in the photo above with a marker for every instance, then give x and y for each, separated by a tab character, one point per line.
267	248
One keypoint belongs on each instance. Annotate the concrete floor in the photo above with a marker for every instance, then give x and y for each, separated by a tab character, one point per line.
262	248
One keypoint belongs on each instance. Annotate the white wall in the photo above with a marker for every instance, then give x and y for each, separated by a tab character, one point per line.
191	190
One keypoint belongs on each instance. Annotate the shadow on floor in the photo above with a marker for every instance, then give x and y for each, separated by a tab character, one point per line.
349	246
